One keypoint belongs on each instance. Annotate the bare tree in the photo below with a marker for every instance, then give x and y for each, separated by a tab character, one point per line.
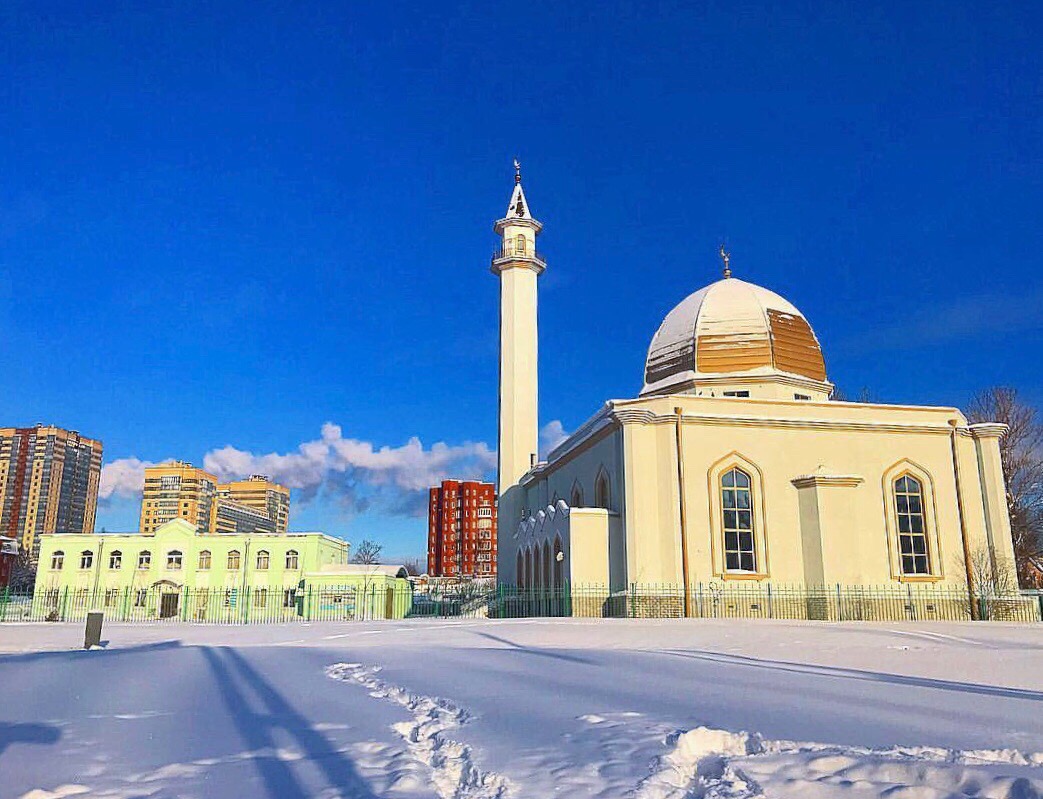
414	568
367	552
863	395
23	573
1021	453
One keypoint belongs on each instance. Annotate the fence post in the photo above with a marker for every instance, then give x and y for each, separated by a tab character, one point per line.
65	602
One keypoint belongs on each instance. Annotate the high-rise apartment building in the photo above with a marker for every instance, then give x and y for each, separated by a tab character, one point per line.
461	529
48	482
178	490
261	494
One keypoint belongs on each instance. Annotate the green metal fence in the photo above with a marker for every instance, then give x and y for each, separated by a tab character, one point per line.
362	602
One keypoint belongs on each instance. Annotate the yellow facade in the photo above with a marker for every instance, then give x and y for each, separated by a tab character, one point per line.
178	490
735	469
263	495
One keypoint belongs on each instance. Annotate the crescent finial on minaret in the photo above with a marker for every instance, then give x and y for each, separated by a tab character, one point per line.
517	171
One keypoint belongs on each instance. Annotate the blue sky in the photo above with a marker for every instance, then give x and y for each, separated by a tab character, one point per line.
248	226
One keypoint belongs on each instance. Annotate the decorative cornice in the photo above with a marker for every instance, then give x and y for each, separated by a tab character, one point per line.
816	480
988	430
531	262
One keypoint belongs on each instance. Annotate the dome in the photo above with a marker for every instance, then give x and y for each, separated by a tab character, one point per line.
732	330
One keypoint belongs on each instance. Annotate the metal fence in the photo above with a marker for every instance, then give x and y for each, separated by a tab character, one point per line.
356	603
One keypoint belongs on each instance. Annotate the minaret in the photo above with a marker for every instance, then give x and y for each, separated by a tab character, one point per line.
518	265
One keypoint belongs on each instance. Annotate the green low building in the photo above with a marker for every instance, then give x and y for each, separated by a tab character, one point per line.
179	574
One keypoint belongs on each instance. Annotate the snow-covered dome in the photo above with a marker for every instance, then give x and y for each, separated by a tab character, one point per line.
733	329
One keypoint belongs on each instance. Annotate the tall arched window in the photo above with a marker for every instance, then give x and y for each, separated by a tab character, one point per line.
204	560
577	496
546	575
602	491
292	559
57	560
519	570
115	559
559	564
519	244
912	530
529	577
86	559
262	559
740	553
537	567
233	560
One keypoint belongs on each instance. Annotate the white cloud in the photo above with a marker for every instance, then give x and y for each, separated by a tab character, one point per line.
122	478
551	434
352	473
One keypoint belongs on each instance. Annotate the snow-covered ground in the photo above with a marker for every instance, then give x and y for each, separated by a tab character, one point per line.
475	709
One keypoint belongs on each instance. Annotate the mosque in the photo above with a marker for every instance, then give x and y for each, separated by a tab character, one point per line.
733	463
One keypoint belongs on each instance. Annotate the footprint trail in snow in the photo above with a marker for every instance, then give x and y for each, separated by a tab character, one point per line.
454	773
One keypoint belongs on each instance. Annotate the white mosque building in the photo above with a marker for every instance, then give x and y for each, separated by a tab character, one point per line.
733	463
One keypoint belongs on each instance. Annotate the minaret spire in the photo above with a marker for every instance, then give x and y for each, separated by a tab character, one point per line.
517	263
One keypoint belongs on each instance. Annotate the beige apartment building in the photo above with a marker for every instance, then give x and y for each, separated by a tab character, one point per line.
262	495
48	482
179	490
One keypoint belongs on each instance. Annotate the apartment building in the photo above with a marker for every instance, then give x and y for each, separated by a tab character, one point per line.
461	531
48	482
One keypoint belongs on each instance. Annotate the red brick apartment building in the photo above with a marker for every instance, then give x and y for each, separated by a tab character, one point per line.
461	529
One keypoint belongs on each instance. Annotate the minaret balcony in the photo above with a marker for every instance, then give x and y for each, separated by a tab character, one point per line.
510	253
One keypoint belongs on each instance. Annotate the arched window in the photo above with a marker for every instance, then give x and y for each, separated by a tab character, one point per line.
292	559
204	560
546	576
529	577
519	244
602	491
519	570
559	564
174	559
262	559
86	559
577	495
912	530
115	559
233	560
144	559
57	560
740	553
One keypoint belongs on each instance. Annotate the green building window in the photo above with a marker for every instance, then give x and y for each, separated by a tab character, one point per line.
57	561
289	598
86	559
144	559
174	559
292	559
233	560
262	560
260	597
115	559
204	560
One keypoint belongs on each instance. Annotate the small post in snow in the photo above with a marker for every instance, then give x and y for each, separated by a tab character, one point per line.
92	633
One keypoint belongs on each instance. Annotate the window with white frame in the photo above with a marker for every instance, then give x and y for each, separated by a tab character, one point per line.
115	559
292	559
144	559
263	559
740	552
912	530
57	560
86	559
174	558
204	560
233	560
